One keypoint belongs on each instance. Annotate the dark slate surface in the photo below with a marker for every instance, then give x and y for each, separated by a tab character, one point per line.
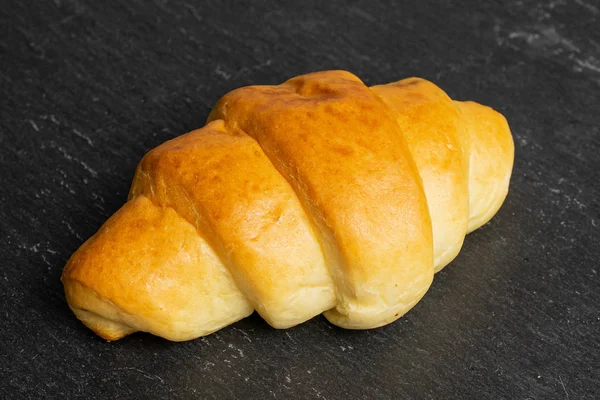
87	88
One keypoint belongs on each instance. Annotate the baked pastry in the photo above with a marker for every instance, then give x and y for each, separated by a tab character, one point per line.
319	195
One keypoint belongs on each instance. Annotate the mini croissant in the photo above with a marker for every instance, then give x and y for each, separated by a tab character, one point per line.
319	195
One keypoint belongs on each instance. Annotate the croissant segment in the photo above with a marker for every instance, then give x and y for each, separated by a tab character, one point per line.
319	195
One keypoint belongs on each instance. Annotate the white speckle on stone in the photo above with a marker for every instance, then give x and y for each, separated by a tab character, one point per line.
240	352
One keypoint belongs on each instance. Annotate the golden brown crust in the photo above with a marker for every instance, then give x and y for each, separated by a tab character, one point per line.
492	154
337	145
147	269
293	200
437	139
219	179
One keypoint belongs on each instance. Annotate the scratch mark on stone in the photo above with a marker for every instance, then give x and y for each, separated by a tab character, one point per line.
497	37
548	42
363	14
590	64
48	263
144	373
222	73
244	334
67	186
96	196
256	67
69	157
194	12
84	137
34	125
70	228
543	38
563	386
53	336
588	6
208	365
231	346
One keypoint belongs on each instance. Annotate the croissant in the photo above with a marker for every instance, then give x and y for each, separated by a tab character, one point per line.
319	195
